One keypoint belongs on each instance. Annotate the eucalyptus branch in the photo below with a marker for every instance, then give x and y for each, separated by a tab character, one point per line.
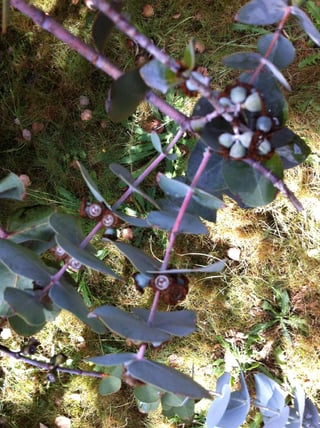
49	367
57	276
149	169
272	44
124	25
206	157
277	182
96	59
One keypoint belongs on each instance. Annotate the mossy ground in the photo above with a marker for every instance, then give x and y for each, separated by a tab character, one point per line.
41	82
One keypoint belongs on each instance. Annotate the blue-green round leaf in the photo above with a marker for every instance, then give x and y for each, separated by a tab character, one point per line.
22	328
252	187
172	400
158	76
178	323
141	261
278	420
262	12
238	407
11	187
109	385
243	60
126	94
147	394
23	261
165	220
166	378
128	326
31	224
25	305
269	395
282	53
220	404
65	296
306	24
184	412
10	279
110	360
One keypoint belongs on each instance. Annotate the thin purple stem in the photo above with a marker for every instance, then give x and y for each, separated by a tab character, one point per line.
89	53
3	234
49	367
277	182
56	277
272	44
149	169
124	25
206	157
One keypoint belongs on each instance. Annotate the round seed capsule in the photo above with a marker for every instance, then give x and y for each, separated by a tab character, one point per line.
237	151
264	123
74	264
161	282
253	103
225	102
238	94
264	147
226	139
246	138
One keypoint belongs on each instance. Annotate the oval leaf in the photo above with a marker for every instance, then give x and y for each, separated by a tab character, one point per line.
166	378
165	220
11	187
22	328
253	188
279	420
31	224
25	305
126	94
147	394
310	415
64	295
128	326
269	395
243	60
91	184
178	189
112	359
178	323
218	407
109	385
215	267
238	407
158	76
306	24
141	261
262	12
282	53
23	261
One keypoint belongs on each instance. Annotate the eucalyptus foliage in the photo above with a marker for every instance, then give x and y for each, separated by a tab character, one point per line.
243	148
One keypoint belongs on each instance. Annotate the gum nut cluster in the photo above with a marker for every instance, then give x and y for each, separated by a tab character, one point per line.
239	143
